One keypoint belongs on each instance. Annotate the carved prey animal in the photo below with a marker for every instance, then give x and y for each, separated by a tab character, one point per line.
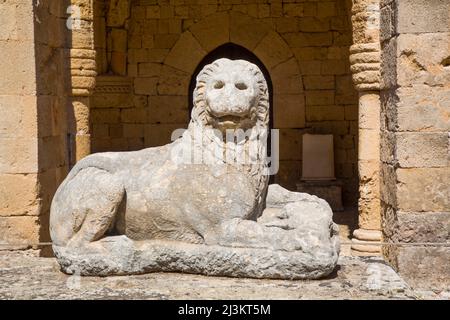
146	211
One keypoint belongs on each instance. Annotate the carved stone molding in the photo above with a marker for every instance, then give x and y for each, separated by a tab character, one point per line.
365	64
82	71
365	53
113	84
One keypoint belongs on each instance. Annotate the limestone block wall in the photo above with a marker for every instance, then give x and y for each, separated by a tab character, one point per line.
415	126
19	205
32	122
147	51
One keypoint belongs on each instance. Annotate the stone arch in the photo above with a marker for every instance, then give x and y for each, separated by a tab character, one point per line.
254	35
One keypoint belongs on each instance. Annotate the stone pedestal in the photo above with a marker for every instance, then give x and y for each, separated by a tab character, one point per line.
330	191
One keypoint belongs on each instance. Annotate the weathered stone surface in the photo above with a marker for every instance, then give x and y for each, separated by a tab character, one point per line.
425	267
212	31
177	57
19	232
18	193
424	149
420	227
423	189
289	111
171	215
421	58
25	276
414	16
431	110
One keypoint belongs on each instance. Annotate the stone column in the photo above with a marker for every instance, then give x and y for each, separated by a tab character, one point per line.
365	65
82	65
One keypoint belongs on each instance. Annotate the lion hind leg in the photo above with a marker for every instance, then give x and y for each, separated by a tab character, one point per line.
100	194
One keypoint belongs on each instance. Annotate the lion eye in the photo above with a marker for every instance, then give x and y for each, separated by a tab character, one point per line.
241	86
219	85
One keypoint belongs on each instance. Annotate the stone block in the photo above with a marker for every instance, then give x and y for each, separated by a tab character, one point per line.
133	130
145	85
326	127
423	59
17	78
17	21
423	189
351	112
165	41
133	115
318	82
290	144
421	109
105	115
186	54
319	97
168	109
310	67
153	12
422	149
100	131
323	113
422	16
310	24
326	9
119	40
147	41
310	53
309	39
138	55
19	232
420	227
149	69
337	67
18	155
173	82
424	267
289	111
156	55
119	63
115	130
52	152
112	100
246	31
330	191
272	50
286	24
293	9
21	113
212	31
286	78
289	174
160	134
18	194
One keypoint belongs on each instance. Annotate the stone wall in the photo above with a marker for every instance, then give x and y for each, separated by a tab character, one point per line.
415	138
147	51
33	122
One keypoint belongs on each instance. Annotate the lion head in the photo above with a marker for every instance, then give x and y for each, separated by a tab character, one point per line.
231	94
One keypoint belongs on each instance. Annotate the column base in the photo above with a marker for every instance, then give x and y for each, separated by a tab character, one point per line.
362	242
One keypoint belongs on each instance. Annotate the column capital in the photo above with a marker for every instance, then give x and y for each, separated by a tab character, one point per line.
365	53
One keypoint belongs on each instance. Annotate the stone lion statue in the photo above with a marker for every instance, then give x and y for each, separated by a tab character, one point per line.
161	209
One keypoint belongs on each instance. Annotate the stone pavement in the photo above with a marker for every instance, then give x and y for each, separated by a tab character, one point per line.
23	275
